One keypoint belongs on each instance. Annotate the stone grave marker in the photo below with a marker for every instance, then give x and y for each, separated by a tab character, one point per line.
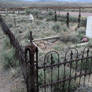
89	27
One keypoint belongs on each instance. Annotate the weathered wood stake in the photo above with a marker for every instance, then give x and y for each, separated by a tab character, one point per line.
79	18
67	19
55	16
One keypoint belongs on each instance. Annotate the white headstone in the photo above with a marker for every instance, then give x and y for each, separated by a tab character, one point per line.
89	27
31	17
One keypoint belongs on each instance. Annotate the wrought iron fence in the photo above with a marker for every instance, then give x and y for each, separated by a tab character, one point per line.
59	73
56	74
63	75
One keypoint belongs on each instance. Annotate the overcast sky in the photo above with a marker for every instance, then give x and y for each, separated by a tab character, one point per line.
63	0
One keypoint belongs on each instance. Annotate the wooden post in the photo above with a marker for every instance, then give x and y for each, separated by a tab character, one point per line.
79	18
55	16
14	21
67	21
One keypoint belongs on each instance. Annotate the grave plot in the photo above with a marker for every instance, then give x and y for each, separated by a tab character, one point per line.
48	34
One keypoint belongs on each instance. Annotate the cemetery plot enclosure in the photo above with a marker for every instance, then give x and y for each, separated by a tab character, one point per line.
62	74
58	72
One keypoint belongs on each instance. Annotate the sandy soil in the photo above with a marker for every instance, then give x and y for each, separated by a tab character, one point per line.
4	78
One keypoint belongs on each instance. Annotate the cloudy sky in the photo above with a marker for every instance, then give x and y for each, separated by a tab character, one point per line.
63	0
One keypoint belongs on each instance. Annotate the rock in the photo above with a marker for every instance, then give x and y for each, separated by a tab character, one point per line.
85	39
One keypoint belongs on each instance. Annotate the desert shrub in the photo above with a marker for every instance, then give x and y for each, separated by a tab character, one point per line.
80	36
50	12
35	12
38	22
6	43
27	11
9	59
27	35
83	65
86	65
83	22
73	39
50	18
10	25
8	55
72	19
64	28
69	38
62	18
81	30
90	43
57	47
80	33
56	28
18	89
57	87
42	16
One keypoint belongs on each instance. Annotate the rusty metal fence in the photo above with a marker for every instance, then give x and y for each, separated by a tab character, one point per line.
57	73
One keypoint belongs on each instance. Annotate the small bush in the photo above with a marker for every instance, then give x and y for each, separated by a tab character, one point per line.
83	65
10	25
81	31
56	28
9	59
57	47
17	89
64	28
35	12
27	11
8	55
90	43
6	43
50	12
58	87
72	19
69	38
80	36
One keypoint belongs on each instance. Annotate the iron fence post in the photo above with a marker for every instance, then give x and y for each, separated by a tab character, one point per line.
55	16
31	69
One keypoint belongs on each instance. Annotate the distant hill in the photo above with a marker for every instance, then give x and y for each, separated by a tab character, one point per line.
48	0
20	3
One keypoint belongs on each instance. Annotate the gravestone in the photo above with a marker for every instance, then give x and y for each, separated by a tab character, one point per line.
31	18
89	27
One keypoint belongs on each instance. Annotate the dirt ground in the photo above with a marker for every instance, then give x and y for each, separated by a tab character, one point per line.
6	81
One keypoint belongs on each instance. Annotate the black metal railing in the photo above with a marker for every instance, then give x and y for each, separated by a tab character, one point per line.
55	75
59	72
